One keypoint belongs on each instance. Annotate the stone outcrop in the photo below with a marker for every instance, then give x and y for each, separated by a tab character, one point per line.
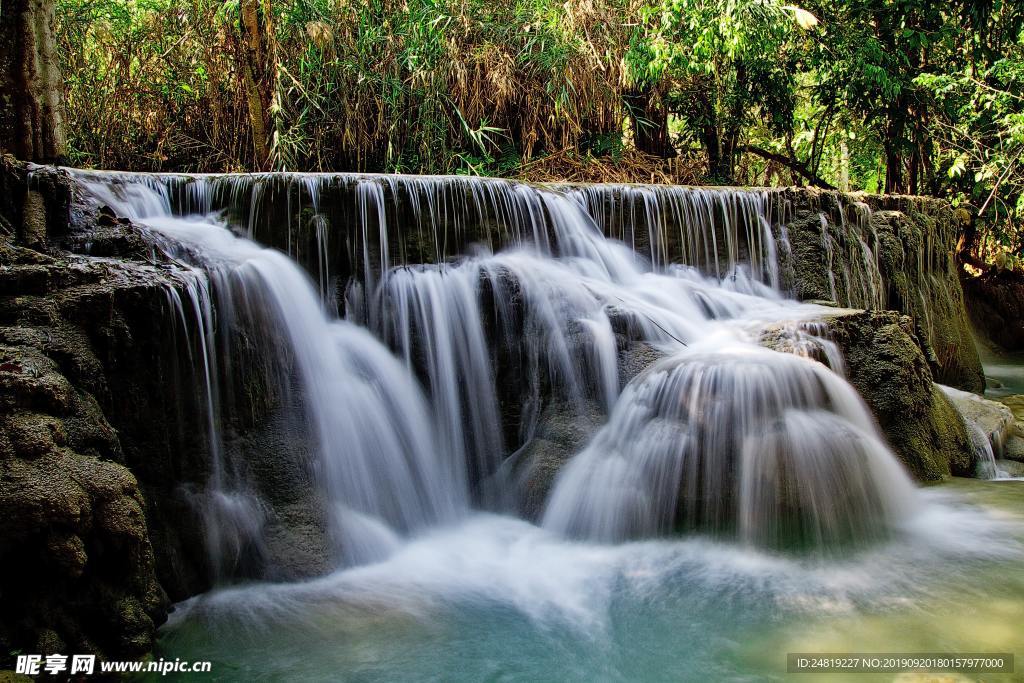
993	420
79	573
885	253
886	364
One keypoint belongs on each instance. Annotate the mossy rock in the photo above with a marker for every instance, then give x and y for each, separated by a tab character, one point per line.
912	240
886	365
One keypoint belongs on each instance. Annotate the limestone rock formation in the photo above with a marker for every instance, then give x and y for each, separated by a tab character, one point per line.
885	253
79	573
992	419
886	364
102	440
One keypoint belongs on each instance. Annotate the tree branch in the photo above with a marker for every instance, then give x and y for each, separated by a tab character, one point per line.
789	163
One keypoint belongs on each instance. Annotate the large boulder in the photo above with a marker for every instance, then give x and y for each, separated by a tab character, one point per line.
1013	448
885	363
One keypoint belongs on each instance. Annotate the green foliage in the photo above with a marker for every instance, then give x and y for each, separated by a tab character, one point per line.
981	129
878	95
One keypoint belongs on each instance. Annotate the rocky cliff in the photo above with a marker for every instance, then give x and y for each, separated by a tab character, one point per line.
91	445
884	253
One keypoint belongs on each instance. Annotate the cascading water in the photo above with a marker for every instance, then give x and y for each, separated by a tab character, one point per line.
723	436
726	436
379	461
423	395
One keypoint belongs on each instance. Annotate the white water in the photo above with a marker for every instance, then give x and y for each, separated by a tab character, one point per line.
499	599
380	464
723	436
735	435
744	450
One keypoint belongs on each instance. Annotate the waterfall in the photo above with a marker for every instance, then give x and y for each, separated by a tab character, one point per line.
731	437
468	305
378	457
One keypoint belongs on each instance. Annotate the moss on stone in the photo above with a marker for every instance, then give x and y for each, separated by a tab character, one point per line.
912	240
886	365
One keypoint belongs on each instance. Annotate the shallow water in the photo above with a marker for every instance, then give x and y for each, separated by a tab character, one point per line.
1006	368
497	599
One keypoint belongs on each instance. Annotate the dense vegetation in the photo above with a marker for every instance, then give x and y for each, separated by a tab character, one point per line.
912	96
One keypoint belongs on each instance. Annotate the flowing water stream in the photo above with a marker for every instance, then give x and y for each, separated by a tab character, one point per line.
425	368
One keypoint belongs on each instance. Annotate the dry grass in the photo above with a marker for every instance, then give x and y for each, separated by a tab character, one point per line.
367	85
631	166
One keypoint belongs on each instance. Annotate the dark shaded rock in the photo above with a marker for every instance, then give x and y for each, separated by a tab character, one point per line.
562	432
634	358
297	541
886	365
995	303
79	571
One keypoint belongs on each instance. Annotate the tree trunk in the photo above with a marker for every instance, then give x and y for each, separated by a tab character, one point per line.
31	86
844	163
713	147
893	144
255	65
650	123
729	139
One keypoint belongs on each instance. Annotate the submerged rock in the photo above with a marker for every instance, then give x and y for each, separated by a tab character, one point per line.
993	420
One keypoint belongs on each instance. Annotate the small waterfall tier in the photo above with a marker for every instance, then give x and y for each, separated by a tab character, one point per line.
770	447
416	332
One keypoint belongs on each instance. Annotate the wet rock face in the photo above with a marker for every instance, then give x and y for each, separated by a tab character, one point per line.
885	253
886	365
79	573
993	420
562	431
